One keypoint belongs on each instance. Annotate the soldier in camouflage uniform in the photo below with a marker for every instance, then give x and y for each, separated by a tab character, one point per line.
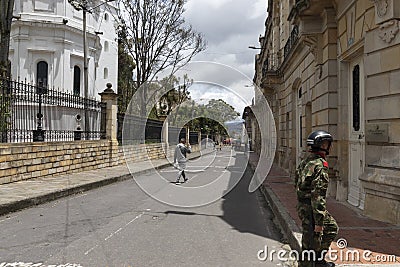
311	182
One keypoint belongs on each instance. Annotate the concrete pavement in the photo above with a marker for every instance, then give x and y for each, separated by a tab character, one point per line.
376	243
23	194
120	225
361	234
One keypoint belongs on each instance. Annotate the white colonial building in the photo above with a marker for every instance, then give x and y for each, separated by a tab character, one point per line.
47	45
47	50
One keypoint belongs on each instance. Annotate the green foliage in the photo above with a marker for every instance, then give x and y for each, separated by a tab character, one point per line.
176	94
199	116
222	110
126	66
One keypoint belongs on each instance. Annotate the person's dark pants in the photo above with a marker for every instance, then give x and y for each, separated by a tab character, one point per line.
310	240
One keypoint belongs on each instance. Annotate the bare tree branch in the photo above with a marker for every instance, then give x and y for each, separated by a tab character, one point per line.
158	37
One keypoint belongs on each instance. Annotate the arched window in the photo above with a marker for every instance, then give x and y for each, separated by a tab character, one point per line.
106	46
77	80
105	73
42	72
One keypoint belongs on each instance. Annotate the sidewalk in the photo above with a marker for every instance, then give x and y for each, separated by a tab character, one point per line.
23	194
361	233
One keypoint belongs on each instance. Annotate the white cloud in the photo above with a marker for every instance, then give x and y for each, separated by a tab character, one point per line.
214	4
229	27
234	96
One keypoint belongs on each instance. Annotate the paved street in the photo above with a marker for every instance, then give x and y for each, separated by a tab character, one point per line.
120	225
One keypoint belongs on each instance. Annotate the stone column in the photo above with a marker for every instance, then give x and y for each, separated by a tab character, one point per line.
109	97
164	135
199	139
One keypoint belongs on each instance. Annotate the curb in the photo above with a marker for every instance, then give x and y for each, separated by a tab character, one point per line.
37	200
291	230
285	222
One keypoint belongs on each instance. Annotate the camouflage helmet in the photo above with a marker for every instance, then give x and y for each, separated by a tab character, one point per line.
316	138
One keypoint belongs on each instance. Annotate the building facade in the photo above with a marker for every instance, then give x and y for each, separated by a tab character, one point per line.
335	65
47	51
46	45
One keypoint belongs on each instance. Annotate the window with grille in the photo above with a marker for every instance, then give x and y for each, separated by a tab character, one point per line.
42	72
77	80
356	98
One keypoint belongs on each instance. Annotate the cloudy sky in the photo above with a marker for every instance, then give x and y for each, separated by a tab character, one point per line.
229	27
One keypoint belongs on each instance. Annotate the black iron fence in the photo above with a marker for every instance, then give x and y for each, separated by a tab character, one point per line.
37	113
193	137
134	129
271	63
294	36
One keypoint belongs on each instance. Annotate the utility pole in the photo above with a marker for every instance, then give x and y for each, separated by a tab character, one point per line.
85	68
83	5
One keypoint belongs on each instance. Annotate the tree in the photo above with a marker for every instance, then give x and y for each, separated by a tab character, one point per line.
126	66
176	95
209	118
157	38
221	110
6	15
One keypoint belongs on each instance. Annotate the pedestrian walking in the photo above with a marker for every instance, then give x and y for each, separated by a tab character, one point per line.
180	159
319	228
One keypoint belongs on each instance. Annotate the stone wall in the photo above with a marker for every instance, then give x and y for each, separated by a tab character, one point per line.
38	160
341	75
381	179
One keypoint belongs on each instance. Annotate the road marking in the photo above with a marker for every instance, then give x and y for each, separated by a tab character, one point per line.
116	232
90	250
112	234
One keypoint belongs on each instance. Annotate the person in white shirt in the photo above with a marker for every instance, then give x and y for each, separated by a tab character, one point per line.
180	159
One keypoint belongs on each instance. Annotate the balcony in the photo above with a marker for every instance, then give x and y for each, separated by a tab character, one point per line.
294	36
271	63
271	70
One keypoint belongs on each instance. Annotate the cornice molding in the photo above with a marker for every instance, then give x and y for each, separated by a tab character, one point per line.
298	8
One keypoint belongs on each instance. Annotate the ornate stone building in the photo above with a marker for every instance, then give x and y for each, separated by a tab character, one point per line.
47	45
335	65
46	49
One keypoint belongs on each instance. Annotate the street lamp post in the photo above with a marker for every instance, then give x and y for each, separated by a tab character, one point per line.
83	5
85	67
253	47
